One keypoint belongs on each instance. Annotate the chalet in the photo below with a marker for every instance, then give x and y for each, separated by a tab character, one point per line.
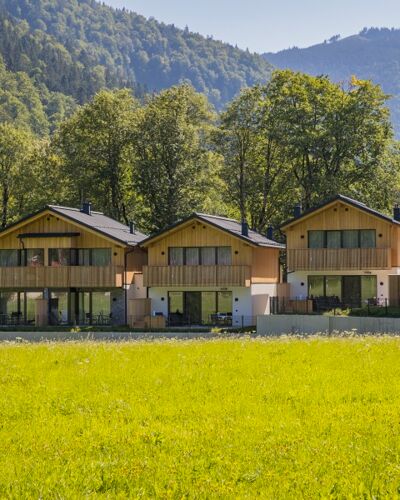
210	270
343	252
66	265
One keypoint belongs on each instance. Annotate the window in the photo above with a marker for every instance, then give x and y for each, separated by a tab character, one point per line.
192	256
59	257
101	306
368	288
83	257
9	258
333	239
368	238
208	306
224	302
208	256
316	286
316	239
175	302
176	257
349	238
101	257
34	257
224	256
333	286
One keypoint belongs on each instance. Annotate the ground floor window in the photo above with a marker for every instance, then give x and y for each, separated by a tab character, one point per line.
353	291
18	307
199	307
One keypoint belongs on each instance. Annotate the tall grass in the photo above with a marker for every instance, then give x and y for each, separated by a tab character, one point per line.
225	418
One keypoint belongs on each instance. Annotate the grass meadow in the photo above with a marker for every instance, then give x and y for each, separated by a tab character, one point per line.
201	419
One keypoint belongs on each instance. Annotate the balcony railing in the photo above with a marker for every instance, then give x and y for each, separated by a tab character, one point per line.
196	275
61	277
338	259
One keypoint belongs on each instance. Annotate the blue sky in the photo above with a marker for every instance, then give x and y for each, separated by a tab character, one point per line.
270	25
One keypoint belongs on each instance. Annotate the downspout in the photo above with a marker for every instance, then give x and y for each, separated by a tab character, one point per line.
124	282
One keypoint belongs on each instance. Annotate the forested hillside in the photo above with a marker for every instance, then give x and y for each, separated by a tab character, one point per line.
78	47
373	54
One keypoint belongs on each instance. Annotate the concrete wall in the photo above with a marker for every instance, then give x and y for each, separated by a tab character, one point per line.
293	324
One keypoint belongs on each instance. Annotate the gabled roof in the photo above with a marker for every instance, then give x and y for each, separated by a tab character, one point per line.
344	199
231	226
96	221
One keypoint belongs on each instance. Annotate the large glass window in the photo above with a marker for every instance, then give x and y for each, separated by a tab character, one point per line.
9	258
224	256
34	257
176	256
208	306
59	257
316	239
101	257
31	299
101	307
84	257
368	288
224	302
316	286
9	306
333	239
192	256
333	286
59	308
368	238
208	256
350	239
176	302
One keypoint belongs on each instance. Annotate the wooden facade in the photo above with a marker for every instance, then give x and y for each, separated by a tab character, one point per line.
341	216
46	224
250	263
220	276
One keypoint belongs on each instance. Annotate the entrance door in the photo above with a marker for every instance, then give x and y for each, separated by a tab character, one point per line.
193	307
351	294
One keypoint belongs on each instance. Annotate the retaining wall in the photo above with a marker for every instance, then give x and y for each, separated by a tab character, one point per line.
294	323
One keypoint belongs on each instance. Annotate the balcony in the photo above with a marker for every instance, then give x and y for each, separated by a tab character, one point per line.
221	276
61	277
338	259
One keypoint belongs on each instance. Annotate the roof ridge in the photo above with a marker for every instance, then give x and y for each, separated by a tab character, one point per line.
217	217
74	209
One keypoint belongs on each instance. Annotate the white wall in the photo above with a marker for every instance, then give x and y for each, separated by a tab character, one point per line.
261	294
298	291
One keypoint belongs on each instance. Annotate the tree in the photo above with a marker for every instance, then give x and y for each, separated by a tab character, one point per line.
254	172
332	138
16	146
172	161
96	147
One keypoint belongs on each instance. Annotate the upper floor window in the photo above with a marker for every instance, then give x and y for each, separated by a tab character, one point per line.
60	257
353	238
79	257
9	258
33	257
204	256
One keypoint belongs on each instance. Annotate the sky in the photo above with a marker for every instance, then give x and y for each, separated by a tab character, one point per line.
270	25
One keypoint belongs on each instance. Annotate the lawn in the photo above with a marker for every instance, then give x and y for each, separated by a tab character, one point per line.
200	419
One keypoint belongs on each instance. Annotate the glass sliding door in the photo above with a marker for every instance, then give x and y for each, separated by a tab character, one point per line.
208	307
368	289
101	307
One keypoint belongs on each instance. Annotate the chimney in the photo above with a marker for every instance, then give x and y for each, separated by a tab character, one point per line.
396	212
86	208
270	232
245	228
297	209
132	228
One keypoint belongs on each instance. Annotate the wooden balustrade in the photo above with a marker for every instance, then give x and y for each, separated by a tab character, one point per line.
338	259
196	275
61	277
